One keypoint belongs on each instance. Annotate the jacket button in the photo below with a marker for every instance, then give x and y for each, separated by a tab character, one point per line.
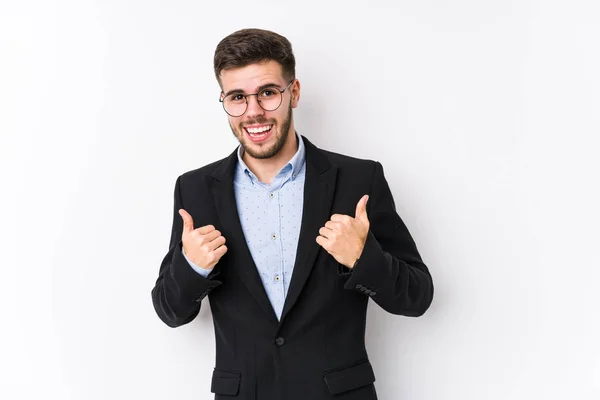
279	341
358	286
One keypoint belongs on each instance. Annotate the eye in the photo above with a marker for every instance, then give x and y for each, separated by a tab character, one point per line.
235	98
267	93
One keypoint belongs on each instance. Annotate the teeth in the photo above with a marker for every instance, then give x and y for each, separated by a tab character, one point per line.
259	130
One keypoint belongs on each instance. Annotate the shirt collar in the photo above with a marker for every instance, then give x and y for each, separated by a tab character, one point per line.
296	162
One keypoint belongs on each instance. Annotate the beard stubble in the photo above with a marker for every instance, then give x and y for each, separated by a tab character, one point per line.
279	142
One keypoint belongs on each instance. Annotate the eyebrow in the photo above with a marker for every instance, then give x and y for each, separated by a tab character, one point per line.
258	90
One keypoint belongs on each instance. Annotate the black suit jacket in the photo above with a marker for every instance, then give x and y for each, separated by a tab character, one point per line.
317	349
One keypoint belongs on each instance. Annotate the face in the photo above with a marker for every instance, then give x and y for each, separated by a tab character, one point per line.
262	133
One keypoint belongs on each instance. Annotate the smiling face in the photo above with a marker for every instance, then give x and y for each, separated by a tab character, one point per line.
263	134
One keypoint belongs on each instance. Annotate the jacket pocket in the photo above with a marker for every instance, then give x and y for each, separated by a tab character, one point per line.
349	378
225	382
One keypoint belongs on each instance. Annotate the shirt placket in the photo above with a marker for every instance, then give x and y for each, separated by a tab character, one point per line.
274	215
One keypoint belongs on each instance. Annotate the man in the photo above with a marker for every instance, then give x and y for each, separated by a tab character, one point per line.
288	241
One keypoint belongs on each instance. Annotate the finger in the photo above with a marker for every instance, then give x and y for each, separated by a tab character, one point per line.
334	226
214	244
220	251
326	245
326	232
203	230
323	242
361	209
188	222
210	236
340	218
319	240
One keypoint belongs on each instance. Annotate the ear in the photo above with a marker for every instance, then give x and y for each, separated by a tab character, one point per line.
295	93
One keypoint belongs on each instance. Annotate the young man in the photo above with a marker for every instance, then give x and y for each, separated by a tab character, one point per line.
288	241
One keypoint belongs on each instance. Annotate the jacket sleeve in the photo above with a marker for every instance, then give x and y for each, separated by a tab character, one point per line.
179	289
390	269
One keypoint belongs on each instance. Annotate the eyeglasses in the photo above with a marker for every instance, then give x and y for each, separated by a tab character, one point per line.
269	99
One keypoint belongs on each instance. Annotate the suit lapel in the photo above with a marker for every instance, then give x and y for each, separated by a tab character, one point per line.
231	228
319	188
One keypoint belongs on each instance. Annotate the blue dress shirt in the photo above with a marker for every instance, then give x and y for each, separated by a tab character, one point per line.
270	216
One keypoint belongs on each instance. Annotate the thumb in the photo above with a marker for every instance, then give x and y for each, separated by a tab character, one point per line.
188	222
361	209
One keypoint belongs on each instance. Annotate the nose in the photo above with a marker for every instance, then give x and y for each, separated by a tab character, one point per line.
254	109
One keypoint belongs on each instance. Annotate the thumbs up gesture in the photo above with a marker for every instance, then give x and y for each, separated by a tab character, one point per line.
203	246
344	237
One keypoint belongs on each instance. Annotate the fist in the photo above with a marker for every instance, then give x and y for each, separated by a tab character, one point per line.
344	237
203	246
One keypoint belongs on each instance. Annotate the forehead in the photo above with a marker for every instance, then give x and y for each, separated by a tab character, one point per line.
250	77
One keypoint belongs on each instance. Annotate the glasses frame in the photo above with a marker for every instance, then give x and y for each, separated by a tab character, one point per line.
222	98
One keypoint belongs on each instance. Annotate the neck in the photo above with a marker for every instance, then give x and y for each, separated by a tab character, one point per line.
266	169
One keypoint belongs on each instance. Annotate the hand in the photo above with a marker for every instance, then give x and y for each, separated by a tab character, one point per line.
344	237
203	246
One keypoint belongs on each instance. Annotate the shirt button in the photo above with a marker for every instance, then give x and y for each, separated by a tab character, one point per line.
279	341
271	195
273	236
277	278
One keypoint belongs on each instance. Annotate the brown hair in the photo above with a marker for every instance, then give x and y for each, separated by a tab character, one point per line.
250	46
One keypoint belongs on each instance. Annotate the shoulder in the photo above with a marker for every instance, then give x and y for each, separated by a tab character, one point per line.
352	164
346	160
199	174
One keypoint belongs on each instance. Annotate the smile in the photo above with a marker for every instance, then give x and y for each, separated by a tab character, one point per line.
258	133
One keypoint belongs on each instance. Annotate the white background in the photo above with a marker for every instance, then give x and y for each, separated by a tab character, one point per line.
485	115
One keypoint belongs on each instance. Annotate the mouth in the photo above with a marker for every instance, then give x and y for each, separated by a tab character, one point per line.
258	133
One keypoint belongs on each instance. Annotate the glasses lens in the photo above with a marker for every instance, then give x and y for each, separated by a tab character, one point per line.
269	99
235	104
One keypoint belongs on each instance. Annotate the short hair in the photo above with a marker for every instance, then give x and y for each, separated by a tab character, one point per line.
250	46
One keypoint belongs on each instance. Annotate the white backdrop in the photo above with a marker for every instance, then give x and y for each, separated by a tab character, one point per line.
485	116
